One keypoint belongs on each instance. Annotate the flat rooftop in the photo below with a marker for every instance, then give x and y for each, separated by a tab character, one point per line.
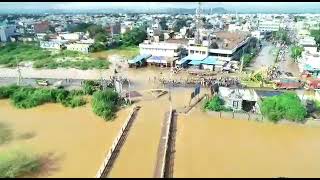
229	40
178	41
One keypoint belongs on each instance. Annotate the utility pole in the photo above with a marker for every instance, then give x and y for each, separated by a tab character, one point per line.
19	73
129	91
241	66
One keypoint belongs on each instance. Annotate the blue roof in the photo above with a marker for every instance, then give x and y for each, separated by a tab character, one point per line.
139	58
191	58
182	61
195	57
195	62
210	60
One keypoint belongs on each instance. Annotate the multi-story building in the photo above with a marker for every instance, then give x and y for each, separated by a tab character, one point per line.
41	27
269	25
163	53
7	31
309	44
114	28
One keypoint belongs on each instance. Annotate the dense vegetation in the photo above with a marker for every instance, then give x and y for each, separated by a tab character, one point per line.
214	104
285	106
14	163
14	53
134	37
281	36
25	97
316	35
90	86
296	52
105	103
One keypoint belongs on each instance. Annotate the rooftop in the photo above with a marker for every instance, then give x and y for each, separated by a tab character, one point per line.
229	40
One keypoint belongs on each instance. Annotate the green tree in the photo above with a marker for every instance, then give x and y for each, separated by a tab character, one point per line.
105	103
179	24
81	27
163	23
281	36
296	52
134	37
316	35
215	104
285	106
95	30
100	37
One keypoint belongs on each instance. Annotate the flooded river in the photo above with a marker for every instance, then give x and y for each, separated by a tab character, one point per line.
209	147
78	138
205	146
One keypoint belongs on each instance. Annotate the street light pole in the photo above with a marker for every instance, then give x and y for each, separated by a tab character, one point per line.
19	74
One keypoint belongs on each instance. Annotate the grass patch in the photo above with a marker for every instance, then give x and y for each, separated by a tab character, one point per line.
14	53
6	134
126	52
17	163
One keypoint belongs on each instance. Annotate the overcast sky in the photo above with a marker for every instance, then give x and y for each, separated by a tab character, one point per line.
138	5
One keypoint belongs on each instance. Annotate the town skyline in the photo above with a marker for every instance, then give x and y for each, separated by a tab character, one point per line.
231	6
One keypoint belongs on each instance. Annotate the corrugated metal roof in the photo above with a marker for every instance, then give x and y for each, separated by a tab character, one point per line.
211	61
195	62
139	58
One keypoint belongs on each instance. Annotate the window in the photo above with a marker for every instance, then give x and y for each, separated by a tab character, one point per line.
235	104
192	51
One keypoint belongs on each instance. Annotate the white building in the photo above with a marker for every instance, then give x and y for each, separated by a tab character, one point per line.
7	31
162	52
71	36
269	25
257	34
80	47
52	44
160	49
309	44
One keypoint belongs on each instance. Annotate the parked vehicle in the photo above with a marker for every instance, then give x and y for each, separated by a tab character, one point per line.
312	84
287	83
42	82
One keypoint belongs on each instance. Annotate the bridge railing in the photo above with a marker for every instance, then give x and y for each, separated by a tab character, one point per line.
163	160
114	144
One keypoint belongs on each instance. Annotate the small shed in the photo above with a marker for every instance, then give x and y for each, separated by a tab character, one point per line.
139	60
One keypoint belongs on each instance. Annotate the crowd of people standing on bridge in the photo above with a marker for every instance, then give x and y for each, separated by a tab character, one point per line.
203	81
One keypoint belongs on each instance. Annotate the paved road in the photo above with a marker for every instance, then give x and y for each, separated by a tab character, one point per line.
286	64
265	57
68	84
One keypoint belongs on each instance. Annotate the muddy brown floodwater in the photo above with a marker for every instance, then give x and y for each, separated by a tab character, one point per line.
209	147
138	155
78	138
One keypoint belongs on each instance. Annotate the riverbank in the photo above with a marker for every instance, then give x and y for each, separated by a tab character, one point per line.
77	137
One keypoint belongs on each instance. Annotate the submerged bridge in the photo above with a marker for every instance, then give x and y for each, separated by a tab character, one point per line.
113	153
166	149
